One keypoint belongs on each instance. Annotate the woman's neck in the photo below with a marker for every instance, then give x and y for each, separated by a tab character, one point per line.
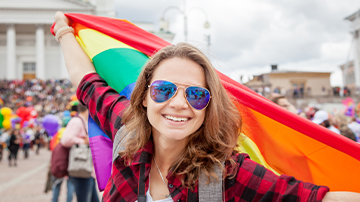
167	151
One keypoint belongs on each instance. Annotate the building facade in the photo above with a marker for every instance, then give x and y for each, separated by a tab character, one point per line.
348	72
352	69
292	83
27	48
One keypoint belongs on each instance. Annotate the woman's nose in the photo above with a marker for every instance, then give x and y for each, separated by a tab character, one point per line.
179	100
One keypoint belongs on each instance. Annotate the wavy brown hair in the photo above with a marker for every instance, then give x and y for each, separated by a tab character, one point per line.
213	142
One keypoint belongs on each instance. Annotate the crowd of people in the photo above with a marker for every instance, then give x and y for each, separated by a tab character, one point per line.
340	123
46	97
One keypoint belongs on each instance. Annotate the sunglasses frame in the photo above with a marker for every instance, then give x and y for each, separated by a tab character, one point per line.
177	88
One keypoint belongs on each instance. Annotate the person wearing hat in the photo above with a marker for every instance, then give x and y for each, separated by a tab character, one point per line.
321	117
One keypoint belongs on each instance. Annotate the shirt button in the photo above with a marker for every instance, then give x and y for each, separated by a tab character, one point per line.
171	186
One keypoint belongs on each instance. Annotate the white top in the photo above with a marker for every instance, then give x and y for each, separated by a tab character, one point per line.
355	127
332	128
149	198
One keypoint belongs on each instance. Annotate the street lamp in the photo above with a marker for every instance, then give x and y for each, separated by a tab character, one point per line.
164	25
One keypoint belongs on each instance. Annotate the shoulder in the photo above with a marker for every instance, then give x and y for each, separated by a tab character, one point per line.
74	121
247	168
239	158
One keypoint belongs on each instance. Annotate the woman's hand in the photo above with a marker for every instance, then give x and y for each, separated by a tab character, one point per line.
60	21
341	196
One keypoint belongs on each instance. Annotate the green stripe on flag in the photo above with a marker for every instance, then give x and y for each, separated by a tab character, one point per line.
119	66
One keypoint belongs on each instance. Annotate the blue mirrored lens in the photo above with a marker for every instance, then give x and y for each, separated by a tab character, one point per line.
160	91
197	97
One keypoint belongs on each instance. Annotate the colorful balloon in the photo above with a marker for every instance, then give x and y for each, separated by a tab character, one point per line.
66	113
1	120
6	112
51	124
6	124
65	120
73	98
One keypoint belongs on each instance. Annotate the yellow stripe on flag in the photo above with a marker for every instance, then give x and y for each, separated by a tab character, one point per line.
249	147
97	42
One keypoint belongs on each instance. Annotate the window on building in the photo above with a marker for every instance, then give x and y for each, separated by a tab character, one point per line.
29	67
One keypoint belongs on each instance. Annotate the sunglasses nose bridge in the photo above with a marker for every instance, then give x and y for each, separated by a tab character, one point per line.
175	98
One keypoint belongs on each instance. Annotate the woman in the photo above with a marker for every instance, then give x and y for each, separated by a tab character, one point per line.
76	133
182	123
14	146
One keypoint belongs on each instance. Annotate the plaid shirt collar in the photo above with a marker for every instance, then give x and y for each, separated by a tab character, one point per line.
144	155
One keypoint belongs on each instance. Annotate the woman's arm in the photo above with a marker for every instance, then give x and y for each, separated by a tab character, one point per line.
77	62
341	196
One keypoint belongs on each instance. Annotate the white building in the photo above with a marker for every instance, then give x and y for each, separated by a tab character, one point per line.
353	67
28	49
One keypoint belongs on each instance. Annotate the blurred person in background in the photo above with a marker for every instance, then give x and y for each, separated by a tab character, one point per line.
321	117
76	133
37	140
283	102
13	146
347	132
27	136
355	128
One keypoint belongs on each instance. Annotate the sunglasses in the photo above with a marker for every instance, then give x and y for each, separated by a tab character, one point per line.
197	97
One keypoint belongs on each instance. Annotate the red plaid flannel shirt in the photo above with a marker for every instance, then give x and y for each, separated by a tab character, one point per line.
252	182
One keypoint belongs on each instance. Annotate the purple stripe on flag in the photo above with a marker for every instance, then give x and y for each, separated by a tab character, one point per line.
101	150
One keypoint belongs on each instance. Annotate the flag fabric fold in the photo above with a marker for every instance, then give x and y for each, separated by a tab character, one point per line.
279	140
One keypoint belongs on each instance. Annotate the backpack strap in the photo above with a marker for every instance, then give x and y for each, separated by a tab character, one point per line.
212	191
119	141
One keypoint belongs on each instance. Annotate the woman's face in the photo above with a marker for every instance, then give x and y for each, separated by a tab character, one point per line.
175	119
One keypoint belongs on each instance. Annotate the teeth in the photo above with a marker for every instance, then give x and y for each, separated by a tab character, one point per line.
173	118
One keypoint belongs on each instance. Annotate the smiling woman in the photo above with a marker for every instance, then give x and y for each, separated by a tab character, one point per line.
178	131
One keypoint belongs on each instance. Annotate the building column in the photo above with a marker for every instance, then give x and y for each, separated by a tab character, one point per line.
356	58
11	52
40	52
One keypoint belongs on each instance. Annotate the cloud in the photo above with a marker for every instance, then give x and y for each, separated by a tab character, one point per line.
247	36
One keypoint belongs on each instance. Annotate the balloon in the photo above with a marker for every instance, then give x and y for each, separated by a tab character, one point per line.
6	112
66	113
51	124
24	114
74	103
73	98
65	120
33	113
25	124
1	120
51	133
74	113
6	123
29	98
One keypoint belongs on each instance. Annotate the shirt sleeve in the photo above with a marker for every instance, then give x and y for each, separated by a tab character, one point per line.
254	182
105	105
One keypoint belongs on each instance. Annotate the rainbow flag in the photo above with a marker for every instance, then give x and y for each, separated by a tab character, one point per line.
55	140
279	140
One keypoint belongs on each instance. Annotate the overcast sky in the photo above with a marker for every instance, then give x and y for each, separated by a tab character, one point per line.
248	35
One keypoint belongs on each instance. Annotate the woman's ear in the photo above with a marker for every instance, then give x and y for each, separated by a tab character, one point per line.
144	103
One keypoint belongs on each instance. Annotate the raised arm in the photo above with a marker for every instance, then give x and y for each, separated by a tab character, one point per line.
341	196
77	62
